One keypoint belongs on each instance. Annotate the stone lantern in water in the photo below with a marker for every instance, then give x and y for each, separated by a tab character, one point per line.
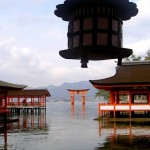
95	29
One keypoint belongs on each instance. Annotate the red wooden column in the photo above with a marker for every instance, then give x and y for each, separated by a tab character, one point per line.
71	93
115	102
149	98
5	103
83	99
72	99
111	97
112	100
117	98
149	102
18	103
130	103
32	100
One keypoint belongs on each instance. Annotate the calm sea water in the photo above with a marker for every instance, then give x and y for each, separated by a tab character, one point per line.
64	127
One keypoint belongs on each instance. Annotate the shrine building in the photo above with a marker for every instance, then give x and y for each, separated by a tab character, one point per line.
27	99
129	90
5	87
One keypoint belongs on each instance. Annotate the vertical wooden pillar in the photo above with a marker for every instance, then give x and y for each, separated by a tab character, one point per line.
149	98
112	100
5	105
130	103
38	101
114	109
111	97
117	98
83	100
72	99
18	103
33	101
8	100
149	103
5	98
83	108
99	111
83	97
115	101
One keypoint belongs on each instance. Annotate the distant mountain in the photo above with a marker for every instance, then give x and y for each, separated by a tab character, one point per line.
61	93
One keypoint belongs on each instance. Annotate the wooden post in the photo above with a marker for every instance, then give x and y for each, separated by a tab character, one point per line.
5	98
99	111
115	110
149	103
83	108
18	103
83	100
111	98
117	102
72	99
130	102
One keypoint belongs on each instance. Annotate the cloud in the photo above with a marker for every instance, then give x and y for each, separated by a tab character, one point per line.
136	30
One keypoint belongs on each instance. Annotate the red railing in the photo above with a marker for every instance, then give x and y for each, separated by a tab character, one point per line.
21	104
122	107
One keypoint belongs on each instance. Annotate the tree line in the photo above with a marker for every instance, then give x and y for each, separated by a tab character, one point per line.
134	57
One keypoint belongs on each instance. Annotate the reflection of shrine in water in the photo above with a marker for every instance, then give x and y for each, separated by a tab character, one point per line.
31	122
28	123
3	132
125	135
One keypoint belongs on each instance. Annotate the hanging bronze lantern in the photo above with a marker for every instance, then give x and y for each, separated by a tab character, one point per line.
95	28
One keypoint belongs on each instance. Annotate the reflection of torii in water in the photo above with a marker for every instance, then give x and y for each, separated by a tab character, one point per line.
81	91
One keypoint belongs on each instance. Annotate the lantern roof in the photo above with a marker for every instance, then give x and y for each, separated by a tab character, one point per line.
126	9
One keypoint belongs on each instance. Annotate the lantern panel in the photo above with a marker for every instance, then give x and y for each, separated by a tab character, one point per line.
87	23
114	25
76	25
76	41
87	39
115	40
70	44
102	39
102	23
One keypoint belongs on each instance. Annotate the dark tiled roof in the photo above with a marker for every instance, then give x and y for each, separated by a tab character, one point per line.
30	92
10	86
128	73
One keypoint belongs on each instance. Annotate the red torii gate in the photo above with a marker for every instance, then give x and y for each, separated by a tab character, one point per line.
79	91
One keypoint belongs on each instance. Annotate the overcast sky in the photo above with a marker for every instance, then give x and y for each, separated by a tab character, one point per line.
31	37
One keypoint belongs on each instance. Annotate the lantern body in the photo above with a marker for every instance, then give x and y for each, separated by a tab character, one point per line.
95	29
